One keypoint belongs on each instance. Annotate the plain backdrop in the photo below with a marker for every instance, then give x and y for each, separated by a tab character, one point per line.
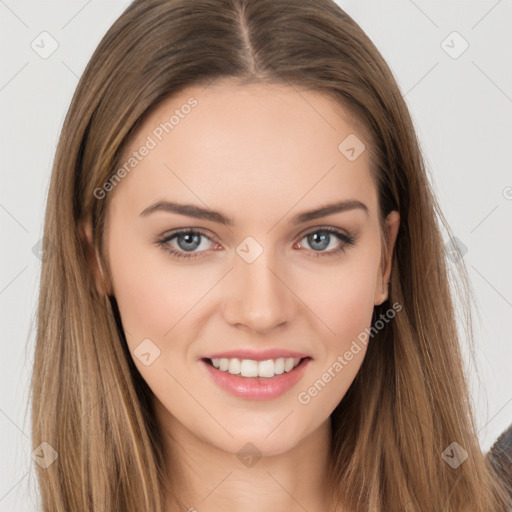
452	61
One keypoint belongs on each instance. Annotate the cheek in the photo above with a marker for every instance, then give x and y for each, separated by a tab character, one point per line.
152	295
343	300
342	296
351	311
153	301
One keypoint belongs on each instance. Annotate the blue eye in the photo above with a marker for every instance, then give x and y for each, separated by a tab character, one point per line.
191	239
321	239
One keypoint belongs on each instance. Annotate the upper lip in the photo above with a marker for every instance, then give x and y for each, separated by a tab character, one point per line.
257	355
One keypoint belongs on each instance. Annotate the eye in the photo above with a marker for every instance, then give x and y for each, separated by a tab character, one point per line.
189	240
321	238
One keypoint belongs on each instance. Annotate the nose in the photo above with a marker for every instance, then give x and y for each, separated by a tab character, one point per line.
258	296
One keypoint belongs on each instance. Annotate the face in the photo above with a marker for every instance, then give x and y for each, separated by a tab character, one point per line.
258	279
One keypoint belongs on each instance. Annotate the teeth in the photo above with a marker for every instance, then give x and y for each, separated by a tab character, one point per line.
234	366
251	368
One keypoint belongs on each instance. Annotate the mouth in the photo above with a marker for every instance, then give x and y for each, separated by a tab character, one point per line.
255	380
255	369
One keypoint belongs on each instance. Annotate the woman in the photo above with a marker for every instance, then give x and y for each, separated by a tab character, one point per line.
261	371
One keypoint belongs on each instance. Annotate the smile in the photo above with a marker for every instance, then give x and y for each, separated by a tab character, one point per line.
255	380
253	368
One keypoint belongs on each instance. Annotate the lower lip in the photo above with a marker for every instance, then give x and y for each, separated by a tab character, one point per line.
256	388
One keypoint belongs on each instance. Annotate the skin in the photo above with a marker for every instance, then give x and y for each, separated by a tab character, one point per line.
259	154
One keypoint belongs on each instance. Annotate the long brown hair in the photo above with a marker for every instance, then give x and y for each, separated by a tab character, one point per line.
409	401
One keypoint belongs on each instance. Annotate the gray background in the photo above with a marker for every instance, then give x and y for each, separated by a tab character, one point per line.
462	108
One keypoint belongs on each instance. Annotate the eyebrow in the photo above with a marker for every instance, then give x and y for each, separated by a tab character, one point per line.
197	212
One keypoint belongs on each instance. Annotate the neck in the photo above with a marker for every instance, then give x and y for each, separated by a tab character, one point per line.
205	478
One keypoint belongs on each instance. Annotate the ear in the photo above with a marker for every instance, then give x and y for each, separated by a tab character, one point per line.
392	224
85	229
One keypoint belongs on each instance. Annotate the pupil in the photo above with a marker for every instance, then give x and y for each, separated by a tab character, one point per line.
190	239
314	240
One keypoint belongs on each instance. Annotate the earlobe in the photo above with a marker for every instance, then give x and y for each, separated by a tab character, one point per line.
85	230
392	223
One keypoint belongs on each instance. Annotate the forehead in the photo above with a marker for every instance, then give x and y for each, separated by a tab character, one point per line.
249	144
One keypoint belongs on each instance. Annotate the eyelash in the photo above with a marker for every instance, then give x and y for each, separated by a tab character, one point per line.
348	240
